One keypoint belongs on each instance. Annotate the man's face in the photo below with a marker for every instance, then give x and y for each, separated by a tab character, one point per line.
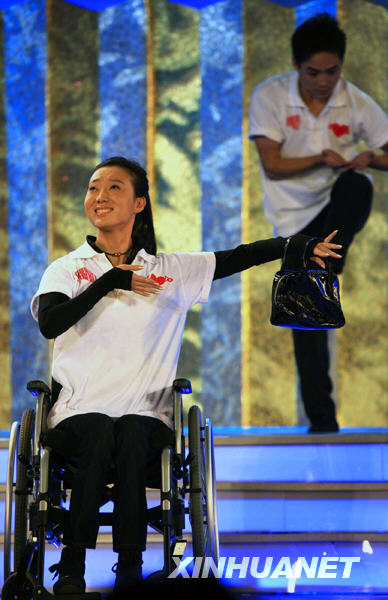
318	76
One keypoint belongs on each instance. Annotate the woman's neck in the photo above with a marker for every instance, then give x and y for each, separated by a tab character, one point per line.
116	247
118	260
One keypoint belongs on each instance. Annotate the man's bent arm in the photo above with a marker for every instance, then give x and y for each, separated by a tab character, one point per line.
278	167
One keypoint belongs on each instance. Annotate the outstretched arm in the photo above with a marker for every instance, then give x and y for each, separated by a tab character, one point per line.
245	256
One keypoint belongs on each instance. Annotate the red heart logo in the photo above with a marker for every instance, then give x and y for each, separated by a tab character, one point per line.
161	279
84	273
338	129
293	121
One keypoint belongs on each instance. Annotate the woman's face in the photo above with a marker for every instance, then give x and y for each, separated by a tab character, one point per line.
111	202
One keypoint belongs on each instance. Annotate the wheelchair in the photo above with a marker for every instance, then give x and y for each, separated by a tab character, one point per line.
43	482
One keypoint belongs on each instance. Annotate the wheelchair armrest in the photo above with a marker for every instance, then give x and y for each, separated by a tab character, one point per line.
182	385
35	387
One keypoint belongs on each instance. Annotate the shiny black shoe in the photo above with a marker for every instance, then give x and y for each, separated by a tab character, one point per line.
70	570
328	428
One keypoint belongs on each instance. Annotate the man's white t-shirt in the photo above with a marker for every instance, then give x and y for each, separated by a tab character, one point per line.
121	357
278	112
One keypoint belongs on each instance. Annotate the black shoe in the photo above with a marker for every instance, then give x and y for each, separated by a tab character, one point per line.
328	428
67	585
71	570
128	576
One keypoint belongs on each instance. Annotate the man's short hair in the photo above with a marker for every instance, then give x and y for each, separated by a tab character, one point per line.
321	33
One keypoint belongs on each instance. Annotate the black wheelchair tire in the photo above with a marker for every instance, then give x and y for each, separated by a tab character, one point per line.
15	588
23	481
197	498
211	492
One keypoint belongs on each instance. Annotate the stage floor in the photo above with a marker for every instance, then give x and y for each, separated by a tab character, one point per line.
300	515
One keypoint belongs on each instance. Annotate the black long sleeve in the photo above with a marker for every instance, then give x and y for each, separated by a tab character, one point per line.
57	312
245	256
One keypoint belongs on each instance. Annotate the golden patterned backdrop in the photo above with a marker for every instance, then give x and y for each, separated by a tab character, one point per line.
175	94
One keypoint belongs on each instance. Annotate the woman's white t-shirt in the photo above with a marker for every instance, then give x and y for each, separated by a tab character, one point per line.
121	357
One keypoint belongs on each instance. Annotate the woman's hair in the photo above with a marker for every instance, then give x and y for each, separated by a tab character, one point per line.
143	234
321	33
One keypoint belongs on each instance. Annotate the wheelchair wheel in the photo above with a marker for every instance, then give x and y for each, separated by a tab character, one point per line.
202	496
23	484
9	496
15	588
211	491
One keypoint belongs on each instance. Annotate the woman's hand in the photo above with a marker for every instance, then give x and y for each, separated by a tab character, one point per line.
141	285
325	249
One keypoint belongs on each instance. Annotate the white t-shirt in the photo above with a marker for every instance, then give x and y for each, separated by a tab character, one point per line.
278	112
121	357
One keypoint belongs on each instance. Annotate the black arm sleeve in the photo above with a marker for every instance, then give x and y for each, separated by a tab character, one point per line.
57	312
245	256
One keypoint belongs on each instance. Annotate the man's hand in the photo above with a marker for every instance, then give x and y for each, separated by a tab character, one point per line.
141	285
333	159
325	249
362	160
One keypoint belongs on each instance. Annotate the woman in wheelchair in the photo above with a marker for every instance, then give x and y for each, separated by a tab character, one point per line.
116	310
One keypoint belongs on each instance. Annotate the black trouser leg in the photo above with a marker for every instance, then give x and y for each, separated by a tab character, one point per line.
139	442
347	211
134	443
95	432
312	359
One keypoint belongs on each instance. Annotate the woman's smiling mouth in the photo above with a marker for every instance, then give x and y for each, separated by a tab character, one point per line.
102	211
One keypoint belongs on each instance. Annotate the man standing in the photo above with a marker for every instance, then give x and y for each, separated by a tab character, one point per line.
306	125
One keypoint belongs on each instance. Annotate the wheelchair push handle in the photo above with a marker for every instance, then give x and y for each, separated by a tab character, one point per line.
36	387
182	385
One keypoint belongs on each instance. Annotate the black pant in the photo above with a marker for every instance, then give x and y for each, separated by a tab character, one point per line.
347	211
131	444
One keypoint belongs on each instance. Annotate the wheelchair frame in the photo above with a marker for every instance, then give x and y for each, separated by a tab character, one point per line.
39	514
